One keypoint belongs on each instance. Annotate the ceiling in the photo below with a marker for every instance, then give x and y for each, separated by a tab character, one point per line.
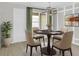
52	4
42	5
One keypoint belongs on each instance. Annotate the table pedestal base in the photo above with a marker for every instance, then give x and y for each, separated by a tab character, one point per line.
52	51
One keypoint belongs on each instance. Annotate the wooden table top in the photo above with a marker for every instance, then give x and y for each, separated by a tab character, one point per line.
51	32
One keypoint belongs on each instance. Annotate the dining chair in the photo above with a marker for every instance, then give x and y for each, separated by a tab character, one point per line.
38	36
59	37
31	43
65	43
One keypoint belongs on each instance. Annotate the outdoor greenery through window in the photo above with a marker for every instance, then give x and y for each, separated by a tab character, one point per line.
35	21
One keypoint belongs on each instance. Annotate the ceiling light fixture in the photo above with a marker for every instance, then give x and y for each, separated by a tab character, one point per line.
51	10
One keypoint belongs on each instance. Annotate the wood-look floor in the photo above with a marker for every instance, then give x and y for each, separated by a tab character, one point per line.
18	49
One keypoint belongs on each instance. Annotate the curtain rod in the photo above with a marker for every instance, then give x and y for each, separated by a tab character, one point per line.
37	8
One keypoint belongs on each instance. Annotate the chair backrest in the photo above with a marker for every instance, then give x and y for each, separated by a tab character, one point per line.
33	29
64	30
29	37
67	39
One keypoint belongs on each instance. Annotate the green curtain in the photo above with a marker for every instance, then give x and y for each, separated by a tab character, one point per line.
49	18
29	19
40	20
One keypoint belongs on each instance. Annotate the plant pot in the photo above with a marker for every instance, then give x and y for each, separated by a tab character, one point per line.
7	42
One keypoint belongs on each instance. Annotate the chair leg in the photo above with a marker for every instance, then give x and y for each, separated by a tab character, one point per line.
43	41
26	48
30	51
52	46
36	48
53	40
71	51
39	39
41	50
62	52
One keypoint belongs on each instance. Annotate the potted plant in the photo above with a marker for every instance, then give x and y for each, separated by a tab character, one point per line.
6	33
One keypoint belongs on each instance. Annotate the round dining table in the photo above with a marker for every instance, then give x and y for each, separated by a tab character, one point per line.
48	50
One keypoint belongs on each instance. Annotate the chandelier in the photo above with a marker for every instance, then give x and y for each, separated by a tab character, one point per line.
51	10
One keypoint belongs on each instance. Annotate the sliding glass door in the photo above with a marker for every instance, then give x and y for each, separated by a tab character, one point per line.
36	20
43	21
39	20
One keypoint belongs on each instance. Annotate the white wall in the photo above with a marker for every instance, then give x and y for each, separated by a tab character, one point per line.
17	15
19	24
6	13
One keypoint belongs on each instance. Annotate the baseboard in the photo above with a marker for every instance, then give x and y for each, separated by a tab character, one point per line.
76	42
17	42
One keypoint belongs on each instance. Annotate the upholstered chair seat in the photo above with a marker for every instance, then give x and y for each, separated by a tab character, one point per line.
31	43
37	36
34	43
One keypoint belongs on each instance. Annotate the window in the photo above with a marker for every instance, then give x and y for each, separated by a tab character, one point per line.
35	21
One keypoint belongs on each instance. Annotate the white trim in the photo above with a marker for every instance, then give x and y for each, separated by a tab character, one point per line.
57	20
68	9
75	43
18	42
60	11
73	13
64	17
65	10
